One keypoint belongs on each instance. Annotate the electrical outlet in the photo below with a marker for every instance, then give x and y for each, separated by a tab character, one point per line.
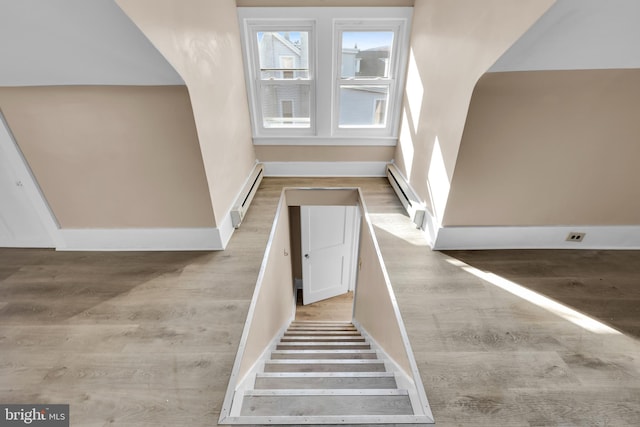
575	237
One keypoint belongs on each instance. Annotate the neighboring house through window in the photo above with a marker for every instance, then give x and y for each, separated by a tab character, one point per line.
325	75
287	110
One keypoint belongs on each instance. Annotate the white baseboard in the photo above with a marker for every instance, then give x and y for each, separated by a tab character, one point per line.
550	237
149	239
225	230
145	239
325	169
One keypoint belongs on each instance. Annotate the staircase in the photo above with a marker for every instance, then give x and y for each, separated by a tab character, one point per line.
326	373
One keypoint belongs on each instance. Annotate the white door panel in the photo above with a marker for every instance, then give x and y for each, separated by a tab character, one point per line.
328	242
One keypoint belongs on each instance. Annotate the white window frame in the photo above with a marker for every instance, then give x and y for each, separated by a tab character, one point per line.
391	82
256	83
324	24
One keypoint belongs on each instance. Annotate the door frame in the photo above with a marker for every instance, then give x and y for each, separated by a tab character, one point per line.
352	267
329	196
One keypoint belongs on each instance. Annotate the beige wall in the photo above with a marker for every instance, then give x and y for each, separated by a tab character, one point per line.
274	304
550	148
314	153
453	43
201	40
112	156
373	306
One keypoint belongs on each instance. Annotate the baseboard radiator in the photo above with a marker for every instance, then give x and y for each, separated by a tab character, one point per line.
414	207
243	201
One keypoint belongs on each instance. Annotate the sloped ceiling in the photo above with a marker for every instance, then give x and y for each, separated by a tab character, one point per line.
76	42
579	34
61	42
551	134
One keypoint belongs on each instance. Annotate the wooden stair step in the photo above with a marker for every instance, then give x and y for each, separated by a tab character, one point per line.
323	345
327	374
310	323
306	338
322	325
326	402
269	381
322	333
324	365
324	354
319	326
321	330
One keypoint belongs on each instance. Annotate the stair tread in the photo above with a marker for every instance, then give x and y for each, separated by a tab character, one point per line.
325	382
324	330
323	354
323	346
314	405
325	361
347	351
322	334
328	333
334	338
321	361
324	374
324	343
323	327
322	322
328	392
351	420
324	366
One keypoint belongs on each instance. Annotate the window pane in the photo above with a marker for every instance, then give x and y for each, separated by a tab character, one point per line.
363	106
283	54
366	54
286	106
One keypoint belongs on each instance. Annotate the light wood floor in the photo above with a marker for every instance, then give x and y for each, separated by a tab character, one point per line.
336	309
149	339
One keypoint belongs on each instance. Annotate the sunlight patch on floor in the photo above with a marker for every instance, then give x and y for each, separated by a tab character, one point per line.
396	224
542	301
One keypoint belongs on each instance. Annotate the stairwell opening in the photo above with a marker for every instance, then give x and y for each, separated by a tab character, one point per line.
295	371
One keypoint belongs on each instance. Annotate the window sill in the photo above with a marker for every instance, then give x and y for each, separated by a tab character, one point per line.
314	140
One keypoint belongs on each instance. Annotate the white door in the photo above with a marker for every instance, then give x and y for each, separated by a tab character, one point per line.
20	222
329	241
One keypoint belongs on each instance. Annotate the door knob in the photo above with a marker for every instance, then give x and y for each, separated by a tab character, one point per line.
306	256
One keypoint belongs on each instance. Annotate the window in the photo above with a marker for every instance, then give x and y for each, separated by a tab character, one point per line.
282	77
325	75
365	58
